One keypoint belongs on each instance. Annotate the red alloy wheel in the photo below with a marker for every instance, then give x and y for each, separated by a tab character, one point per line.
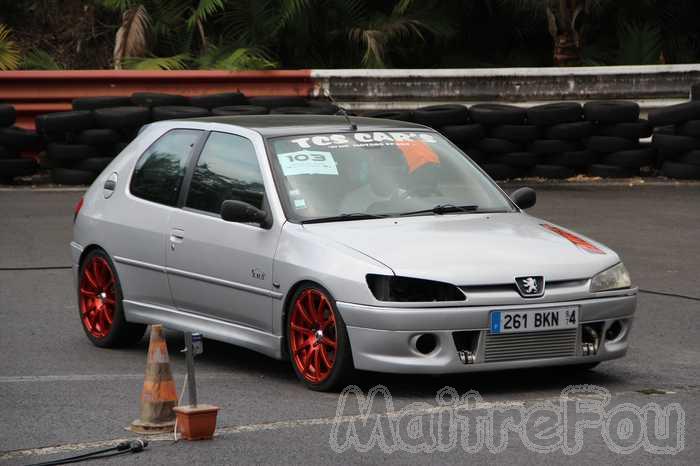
97	297
313	336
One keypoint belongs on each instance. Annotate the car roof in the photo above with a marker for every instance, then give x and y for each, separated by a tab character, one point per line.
289	125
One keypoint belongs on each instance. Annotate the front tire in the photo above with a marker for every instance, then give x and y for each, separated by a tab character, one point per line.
317	339
100	303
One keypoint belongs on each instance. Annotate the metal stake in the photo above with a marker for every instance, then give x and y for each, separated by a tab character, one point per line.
189	357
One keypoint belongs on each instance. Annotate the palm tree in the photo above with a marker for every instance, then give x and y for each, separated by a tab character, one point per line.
565	22
256	34
173	35
239	34
350	33
630	31
9	53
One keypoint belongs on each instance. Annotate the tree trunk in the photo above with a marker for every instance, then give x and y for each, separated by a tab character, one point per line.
561	18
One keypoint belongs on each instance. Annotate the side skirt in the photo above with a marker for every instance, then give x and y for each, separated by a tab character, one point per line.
215	329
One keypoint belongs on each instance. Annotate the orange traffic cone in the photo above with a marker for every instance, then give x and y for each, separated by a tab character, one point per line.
159	395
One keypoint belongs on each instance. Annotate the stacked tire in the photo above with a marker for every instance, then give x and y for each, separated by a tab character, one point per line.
292	105
503	149
557	149
399	115
14	140
677	139
551	141
81	143
617	130
71	160
456	124
276	105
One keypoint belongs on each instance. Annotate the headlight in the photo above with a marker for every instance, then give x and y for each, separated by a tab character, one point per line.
615	278
406	289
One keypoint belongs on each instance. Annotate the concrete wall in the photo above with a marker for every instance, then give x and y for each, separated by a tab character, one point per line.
651	86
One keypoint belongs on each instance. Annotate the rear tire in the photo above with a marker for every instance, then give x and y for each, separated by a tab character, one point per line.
317	339
100	304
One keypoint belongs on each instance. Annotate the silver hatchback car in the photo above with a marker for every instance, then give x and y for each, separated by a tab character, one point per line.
374	245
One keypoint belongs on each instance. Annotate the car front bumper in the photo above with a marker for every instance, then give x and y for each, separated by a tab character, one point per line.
384	339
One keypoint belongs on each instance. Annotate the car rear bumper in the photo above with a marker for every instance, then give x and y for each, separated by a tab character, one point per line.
385	339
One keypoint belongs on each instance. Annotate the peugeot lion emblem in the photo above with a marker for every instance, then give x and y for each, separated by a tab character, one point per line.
530	287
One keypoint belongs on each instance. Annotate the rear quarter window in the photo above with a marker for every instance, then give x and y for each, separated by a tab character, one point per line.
159	172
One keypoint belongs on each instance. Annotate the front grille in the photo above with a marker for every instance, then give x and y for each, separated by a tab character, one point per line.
531	345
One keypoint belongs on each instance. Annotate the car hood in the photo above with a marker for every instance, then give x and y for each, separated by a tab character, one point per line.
469	249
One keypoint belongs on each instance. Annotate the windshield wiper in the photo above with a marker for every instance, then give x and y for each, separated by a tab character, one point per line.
344	217
444	209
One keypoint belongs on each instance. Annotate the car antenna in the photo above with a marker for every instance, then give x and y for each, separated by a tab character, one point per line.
341	110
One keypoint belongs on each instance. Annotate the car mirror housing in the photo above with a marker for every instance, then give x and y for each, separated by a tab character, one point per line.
242	212
524	198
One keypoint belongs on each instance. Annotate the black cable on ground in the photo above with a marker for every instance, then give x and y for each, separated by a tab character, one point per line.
133	446
670	295
79	457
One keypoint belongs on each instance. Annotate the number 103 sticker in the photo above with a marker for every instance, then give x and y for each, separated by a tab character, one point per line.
307	162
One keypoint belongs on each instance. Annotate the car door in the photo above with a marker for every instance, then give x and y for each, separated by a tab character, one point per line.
136	228
217	268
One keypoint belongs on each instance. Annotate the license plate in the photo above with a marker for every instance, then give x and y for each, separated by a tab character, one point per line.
534	320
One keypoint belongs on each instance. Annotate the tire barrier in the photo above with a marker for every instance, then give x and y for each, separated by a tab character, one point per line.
606	139
81	143
14	141
677	142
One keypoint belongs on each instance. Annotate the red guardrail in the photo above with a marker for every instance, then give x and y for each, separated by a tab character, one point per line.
36	92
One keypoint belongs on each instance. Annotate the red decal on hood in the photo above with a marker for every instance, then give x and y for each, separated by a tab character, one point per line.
580	242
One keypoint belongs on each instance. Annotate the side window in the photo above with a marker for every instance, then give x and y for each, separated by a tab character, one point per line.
227	169
159	172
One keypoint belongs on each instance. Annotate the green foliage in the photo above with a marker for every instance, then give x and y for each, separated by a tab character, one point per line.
9	52
176	62
262	34
204	10
640	44
39	60
238	59
119	5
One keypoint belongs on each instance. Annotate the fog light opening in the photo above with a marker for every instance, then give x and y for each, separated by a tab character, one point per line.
614	331
426	343
590	340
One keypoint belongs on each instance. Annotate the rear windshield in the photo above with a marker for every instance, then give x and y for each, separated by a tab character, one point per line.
379	173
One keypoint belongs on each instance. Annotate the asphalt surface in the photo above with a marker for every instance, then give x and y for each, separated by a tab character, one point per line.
59	395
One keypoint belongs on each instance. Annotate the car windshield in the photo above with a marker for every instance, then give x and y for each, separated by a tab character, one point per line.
379	173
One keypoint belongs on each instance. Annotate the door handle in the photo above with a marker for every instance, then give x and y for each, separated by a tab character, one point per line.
176	236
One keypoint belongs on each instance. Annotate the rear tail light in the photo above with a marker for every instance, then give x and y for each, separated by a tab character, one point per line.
76	209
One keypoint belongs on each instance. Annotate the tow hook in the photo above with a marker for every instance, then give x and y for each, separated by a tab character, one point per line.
467	357
590	347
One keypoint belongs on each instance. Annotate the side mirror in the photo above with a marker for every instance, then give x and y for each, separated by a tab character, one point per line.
242	212
524	197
